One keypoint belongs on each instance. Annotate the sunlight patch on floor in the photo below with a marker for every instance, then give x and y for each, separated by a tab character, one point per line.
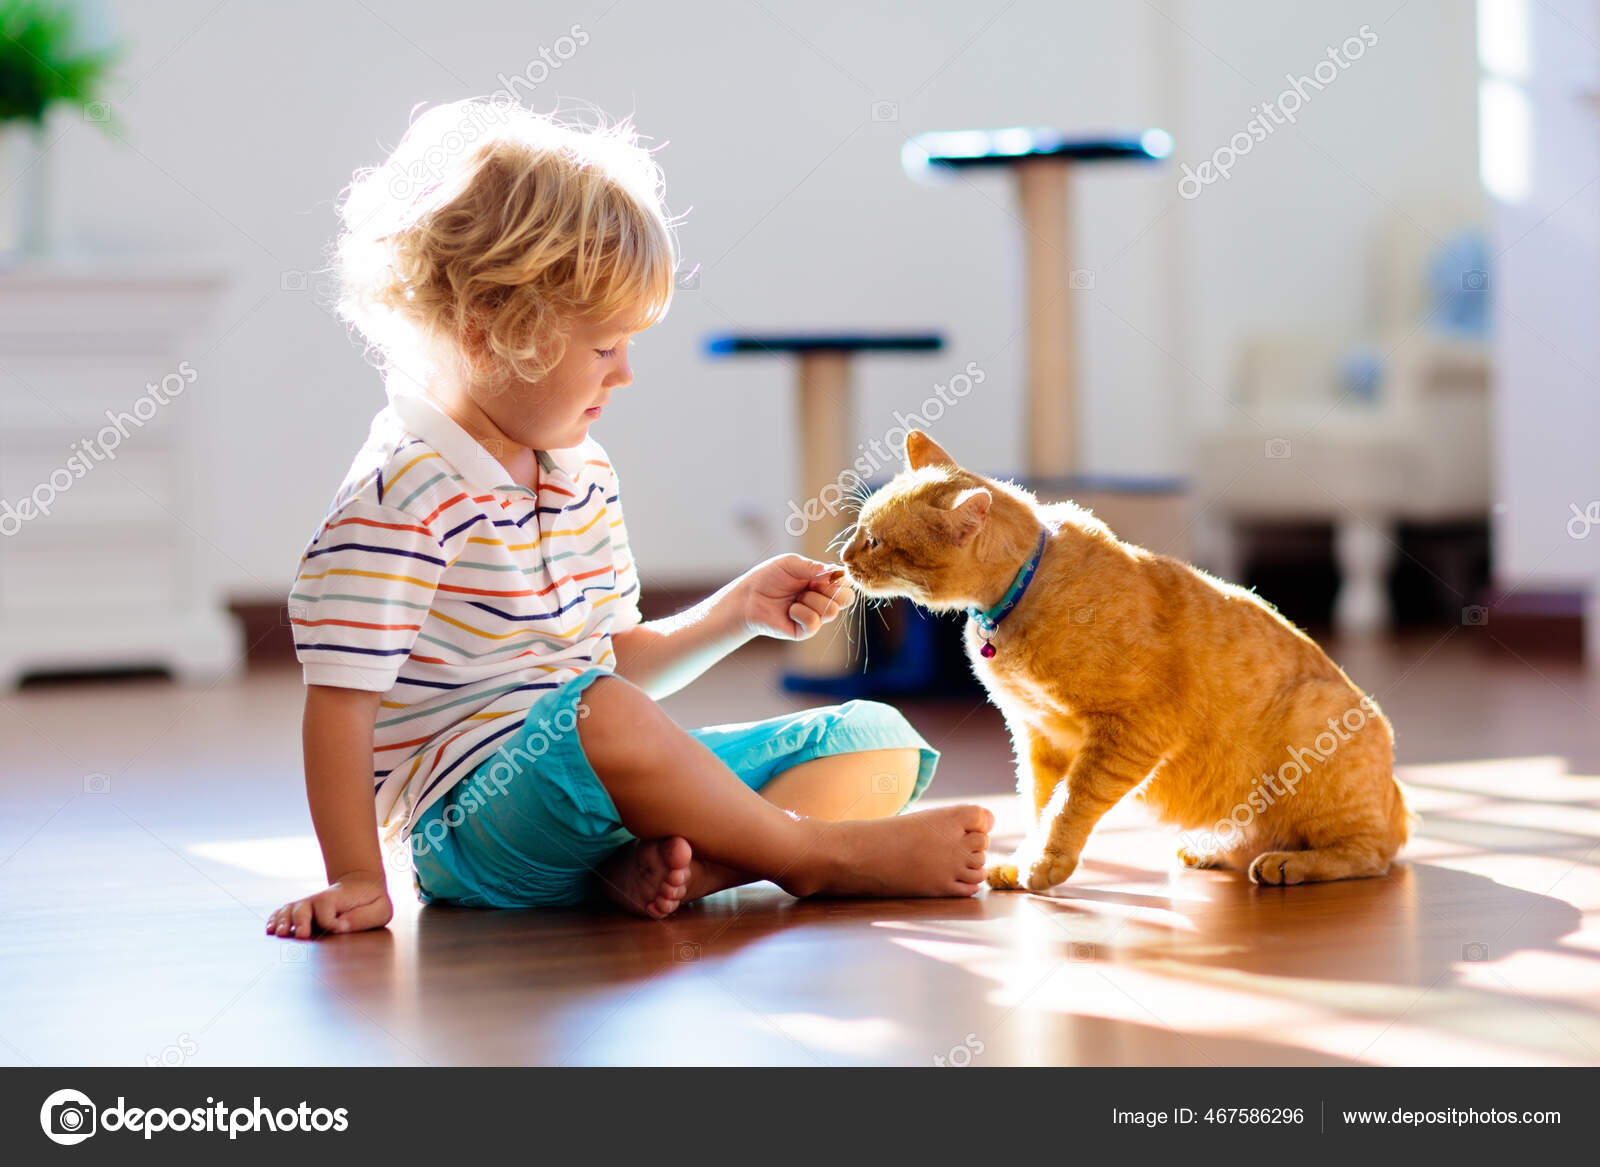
863	1037
283	857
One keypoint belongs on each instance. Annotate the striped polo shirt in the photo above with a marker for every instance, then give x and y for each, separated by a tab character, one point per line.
458	594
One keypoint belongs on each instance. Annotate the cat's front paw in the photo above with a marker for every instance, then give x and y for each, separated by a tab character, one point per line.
1048	870
1277	868
1003	877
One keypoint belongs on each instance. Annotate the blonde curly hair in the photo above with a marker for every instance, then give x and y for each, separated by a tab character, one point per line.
491	229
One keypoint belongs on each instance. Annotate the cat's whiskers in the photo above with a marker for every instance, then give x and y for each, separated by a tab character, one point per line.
866	650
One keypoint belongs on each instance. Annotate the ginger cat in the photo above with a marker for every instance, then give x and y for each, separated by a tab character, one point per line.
1121	670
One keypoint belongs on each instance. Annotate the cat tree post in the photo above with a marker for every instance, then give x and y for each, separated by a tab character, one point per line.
1041	162
1044	196
823	421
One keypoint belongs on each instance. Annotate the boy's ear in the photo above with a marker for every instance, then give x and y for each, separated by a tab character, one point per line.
967	514
921	450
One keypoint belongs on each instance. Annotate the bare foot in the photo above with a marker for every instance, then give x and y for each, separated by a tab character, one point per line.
707	878
649	877
929	853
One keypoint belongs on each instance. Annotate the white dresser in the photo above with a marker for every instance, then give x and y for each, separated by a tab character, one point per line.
101	365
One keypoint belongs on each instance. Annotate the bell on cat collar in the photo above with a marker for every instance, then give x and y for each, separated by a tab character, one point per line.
988	623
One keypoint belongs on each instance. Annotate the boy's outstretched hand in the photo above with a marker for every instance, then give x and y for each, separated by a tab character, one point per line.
352	904
792	597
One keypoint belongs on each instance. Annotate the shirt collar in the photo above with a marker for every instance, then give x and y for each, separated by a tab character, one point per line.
420	414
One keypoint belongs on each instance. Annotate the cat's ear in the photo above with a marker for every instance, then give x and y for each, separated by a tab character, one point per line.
921	450
968	512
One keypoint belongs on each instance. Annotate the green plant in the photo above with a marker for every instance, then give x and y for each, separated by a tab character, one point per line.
41	65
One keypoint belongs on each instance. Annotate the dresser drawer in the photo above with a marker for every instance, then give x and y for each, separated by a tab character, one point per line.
55	391
137	483
91	568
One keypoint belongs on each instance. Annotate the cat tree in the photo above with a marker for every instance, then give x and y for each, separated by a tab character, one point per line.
1041	162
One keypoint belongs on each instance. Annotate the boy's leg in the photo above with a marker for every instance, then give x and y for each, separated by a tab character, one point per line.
865	784
667	785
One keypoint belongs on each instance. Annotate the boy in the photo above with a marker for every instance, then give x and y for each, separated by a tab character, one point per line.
479	682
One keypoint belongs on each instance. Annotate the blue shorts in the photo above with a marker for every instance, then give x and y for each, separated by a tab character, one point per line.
531	824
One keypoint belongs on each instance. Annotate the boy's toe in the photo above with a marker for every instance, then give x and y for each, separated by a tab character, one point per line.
676	852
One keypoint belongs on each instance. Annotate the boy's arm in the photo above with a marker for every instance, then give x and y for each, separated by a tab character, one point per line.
788	597
663	656
337	732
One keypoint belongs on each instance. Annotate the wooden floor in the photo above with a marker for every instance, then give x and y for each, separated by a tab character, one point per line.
146	830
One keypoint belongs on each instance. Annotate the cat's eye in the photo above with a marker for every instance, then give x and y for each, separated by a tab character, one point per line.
872	541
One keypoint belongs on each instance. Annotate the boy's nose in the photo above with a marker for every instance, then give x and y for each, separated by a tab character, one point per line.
622	377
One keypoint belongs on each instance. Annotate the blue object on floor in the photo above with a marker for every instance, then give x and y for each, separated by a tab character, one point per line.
920	654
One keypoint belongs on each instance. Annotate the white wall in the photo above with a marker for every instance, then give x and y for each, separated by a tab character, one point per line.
1546	301
1290	241
246	120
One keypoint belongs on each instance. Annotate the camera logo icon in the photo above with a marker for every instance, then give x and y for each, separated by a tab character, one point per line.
885	111
1277	448
1081	279
1475	615
1584	521
686	952
1475	281
68	1117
